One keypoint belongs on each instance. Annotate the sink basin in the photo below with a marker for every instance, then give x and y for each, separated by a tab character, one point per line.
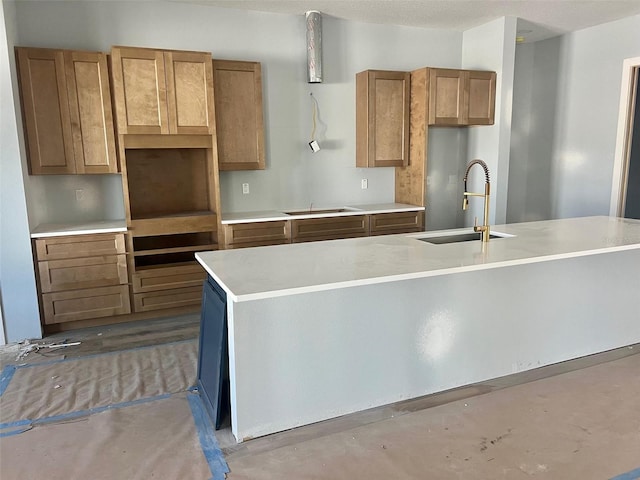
316	212
459	237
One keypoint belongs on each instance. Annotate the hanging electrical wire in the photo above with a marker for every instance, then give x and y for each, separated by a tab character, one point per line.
315	146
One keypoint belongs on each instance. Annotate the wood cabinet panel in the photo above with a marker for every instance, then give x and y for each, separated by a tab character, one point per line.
90	111
189	92
206	222
410	181
396	222
66	104
382	118
57	248
162	92
69	306
256	234
164	278
482	98
45	107
446	96
332	228
82	277
139	89
163	299
461	97
239	115
77	273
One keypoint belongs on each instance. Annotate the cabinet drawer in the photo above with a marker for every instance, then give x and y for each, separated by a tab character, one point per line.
312	229
56	248
83	304
400	222
89	272
172	225
163	299
163	278
256	234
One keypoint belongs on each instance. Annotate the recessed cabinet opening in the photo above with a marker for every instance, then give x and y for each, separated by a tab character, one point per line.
165	260
164	182
151	245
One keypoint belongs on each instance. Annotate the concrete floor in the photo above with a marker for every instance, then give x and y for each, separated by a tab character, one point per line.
577	419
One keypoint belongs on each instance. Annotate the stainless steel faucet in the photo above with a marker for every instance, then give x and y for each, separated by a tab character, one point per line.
465	200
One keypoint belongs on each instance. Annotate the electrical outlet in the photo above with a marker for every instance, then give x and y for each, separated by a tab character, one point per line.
245	189
79	195
364	184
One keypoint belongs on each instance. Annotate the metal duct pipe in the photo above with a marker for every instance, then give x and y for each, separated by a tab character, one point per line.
314	46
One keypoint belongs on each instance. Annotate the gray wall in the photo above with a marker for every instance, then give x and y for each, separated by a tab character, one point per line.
492	47
565	115
535	94
17	280
589	78
447	159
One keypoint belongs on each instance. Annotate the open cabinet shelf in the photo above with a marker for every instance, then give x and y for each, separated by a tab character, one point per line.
172	202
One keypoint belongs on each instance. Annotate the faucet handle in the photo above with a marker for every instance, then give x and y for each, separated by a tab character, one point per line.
475	222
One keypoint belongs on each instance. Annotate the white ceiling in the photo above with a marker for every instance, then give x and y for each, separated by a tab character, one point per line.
538	19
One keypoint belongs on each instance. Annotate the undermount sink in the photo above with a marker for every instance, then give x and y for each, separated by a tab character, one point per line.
459	237
323	211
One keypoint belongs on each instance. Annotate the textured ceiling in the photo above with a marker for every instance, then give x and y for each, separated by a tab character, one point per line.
539	19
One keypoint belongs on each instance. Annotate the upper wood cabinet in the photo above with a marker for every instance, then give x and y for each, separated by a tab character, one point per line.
461	97
482	98
66	104
162	92
239	116
382	118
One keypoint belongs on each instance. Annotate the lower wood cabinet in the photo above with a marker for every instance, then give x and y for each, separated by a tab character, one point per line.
163	278
396	222
163	287
329	228
82	277
78	273
278	232
164	299
73	305
256	234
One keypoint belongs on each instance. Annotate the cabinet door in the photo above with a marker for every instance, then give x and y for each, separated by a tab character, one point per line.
77	273
77	246
90	112
446	96
239	122
256	234
330	228
73	305
382	119
165	299
139	89
45	107
396	222
190	92
482	96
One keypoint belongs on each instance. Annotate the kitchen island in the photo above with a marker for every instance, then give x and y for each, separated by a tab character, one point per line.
323	329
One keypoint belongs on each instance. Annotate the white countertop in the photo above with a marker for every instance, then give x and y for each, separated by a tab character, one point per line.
274	215
61	229
263	272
